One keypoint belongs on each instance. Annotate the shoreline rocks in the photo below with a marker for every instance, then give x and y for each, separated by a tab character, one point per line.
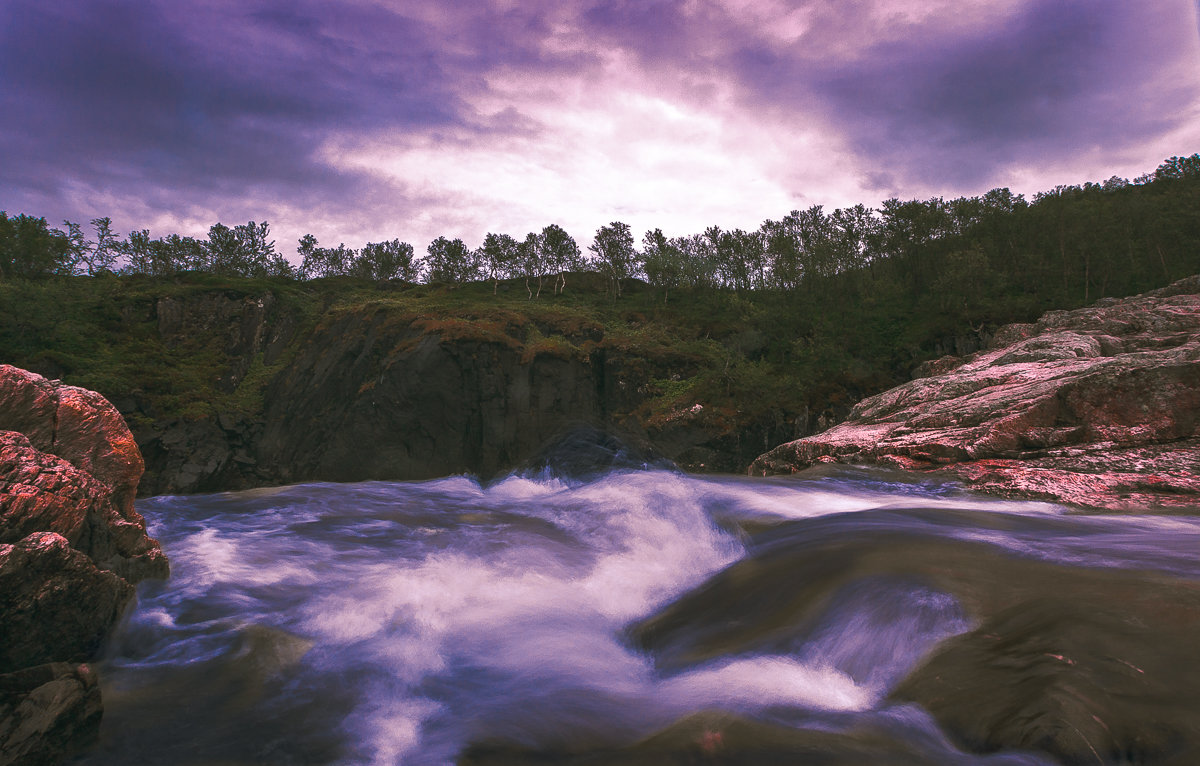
71	548
1097	407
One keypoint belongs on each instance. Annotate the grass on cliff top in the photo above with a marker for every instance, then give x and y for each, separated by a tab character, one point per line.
741	355
102	333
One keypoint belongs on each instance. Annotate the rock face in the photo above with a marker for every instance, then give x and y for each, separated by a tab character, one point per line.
377	391
71	544
1097	407
373	396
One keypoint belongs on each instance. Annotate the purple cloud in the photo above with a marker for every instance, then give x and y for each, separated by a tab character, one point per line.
360	119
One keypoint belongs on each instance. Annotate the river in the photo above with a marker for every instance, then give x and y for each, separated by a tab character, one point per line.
413	622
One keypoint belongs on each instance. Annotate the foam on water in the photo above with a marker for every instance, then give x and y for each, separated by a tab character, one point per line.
757	682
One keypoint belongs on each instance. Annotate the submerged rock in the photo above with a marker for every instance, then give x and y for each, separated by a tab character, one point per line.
584	452
1098	407
1063	675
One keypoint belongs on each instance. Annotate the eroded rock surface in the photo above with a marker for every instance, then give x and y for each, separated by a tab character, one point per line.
56	605
1098	407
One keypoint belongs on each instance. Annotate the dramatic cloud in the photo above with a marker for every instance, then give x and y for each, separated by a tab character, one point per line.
368	119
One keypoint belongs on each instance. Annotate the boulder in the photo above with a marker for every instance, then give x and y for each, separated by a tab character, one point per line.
69	464
1098	407
42	492
78	425
1064	676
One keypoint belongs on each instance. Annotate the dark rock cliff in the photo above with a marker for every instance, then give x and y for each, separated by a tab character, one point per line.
374	393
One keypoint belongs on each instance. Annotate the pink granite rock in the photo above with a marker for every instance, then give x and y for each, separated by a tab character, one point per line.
1098	407
69	464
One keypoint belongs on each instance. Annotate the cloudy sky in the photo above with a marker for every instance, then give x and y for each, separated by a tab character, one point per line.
360	120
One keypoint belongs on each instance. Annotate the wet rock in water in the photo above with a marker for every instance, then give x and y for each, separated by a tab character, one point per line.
719	738
55	604
47	712
1097	407
1087	665
1066	676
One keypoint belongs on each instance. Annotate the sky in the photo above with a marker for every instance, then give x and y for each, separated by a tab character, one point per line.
365	120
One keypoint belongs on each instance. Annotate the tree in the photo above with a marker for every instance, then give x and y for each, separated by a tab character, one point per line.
1178	167
30	249
498	257
782	251
615	253
907	231
854	229
244	250
382	261
162	257
560	254
316	262
105	250
78	247
530	262
662	261
450	261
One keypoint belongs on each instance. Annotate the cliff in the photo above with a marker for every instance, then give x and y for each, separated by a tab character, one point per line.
397	389
1097	407
71	547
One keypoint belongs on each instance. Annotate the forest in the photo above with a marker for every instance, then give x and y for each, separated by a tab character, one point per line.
1070	244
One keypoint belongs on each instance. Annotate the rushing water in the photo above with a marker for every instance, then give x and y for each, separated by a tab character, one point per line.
399	622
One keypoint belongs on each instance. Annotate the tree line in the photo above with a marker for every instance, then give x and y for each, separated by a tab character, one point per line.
1083	241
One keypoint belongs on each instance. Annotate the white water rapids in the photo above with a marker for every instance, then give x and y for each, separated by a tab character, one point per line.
400	622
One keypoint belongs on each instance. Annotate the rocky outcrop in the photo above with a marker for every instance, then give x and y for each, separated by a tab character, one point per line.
57	605
71	544
69	464
307	389
246	334
1098	407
